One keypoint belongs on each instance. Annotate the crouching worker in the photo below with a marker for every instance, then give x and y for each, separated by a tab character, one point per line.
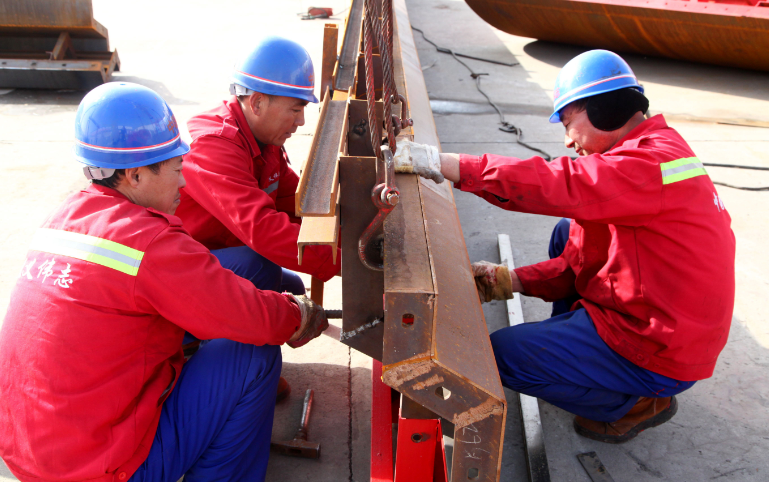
647	261
93	384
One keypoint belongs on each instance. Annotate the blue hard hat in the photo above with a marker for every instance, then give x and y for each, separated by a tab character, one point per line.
588	74
277	66
121	125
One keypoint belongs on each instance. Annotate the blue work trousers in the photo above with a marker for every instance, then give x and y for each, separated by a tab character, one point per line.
563	361
263	273
217	422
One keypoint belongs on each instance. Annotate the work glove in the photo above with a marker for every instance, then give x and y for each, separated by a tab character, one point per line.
419	159
492	281
314	322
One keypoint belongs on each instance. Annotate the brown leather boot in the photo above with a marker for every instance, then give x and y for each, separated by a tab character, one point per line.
283	390
646	413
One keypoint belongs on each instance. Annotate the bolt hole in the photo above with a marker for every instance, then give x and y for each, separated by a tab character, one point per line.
443	393
473	473
407	320
416	438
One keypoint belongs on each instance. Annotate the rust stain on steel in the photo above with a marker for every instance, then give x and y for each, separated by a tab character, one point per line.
432	381
476	414
720	32
460	330
406	256
397	375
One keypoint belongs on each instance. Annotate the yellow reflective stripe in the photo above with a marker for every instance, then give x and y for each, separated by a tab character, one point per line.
88	248
682	169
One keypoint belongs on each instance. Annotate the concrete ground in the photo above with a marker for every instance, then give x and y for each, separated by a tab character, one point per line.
183	50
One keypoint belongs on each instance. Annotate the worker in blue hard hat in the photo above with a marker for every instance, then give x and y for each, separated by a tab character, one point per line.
240	195
93	382
641	273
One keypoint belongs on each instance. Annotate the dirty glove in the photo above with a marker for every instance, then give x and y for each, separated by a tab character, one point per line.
492	281
419	159
314	322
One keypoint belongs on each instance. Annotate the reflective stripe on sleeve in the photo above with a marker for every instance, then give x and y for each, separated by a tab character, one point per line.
271	187
88	248
682	169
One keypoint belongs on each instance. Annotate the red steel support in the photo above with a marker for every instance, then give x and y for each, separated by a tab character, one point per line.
420	454
381	427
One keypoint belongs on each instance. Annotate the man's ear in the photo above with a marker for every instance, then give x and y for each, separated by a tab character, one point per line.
256	102
132	176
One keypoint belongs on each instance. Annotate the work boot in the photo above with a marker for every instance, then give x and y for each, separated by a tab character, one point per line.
283	390
646	413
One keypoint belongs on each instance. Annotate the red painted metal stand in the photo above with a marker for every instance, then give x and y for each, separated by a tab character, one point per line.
420	455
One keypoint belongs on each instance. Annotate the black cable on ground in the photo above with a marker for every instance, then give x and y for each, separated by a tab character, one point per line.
506	126
736	166
742	188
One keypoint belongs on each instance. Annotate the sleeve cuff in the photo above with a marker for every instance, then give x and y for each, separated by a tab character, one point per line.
470	170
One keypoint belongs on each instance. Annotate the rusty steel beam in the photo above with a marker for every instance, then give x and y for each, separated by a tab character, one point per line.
420	316
316	194
330	40
319	231
344	74
720	33
436	346
49	18
53	44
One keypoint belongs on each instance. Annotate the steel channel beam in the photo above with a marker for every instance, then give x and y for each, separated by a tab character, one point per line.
436	346
348	56
533	436
316	193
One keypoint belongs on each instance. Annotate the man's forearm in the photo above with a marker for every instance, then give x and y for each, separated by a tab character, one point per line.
517	285
450	166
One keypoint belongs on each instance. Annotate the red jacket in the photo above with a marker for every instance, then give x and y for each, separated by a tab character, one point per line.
650	249
239	193
89	350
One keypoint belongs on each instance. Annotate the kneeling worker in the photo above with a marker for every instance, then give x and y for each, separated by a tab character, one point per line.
239	200
647	259
93	383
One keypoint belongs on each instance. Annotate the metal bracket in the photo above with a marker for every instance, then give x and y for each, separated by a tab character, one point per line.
385	196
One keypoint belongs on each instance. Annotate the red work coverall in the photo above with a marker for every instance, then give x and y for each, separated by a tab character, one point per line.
91	343
650	249
240	194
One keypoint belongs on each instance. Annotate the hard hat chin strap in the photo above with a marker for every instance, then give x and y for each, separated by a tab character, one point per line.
97	172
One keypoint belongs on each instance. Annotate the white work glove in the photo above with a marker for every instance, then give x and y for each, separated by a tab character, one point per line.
492	281
419	159
314	322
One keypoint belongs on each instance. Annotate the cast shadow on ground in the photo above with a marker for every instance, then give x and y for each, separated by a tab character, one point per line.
678	73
